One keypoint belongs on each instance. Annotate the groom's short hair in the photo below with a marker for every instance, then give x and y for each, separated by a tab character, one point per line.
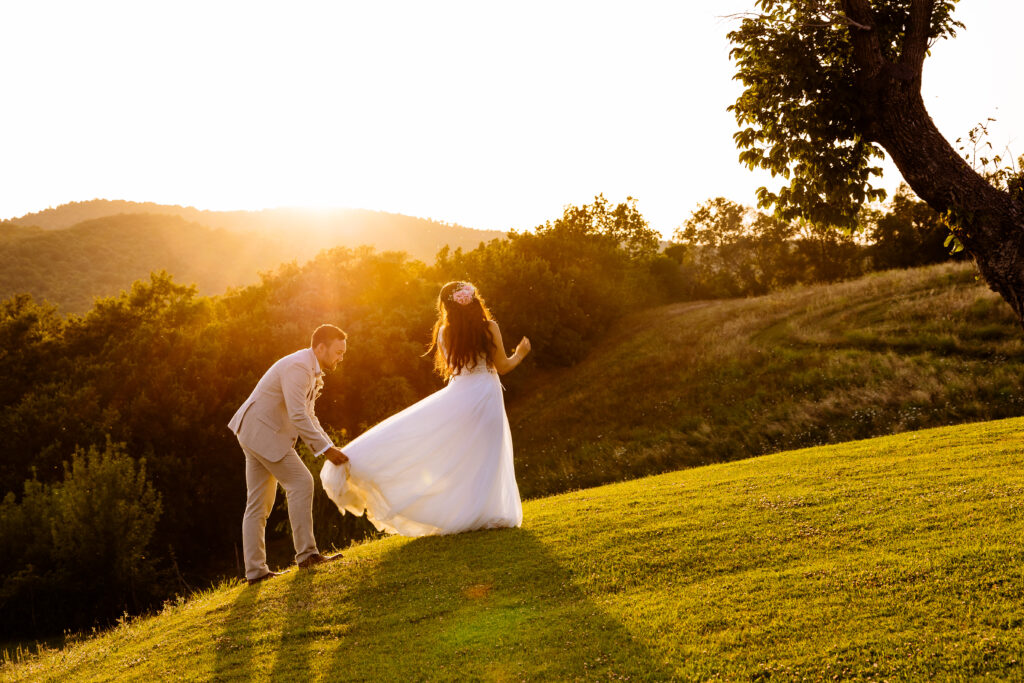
326	334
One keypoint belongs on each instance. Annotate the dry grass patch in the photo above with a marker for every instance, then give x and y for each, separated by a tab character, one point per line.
691	384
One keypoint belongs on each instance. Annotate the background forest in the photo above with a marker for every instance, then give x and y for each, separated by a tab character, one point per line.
116	446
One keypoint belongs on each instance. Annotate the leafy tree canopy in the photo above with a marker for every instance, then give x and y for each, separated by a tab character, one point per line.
803	113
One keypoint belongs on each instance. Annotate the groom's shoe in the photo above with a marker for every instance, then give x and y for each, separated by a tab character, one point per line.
268	575
316	559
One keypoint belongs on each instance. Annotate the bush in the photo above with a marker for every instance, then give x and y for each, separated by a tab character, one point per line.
76	550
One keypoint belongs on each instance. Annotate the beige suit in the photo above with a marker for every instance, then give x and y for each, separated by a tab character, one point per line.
268	424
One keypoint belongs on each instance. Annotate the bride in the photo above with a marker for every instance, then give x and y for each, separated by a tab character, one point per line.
443	465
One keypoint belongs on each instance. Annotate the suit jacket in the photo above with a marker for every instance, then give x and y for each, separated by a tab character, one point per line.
280	409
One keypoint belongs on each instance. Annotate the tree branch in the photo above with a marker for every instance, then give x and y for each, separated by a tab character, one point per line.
840	18
915	43
834	17
866	49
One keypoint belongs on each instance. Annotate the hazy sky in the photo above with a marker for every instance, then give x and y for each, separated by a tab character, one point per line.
491	115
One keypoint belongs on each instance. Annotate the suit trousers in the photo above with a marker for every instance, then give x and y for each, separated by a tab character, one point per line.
261	478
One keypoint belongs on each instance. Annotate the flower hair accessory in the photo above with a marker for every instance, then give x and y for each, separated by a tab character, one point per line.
464	294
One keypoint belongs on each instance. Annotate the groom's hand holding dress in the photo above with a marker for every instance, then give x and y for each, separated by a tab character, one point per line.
335	456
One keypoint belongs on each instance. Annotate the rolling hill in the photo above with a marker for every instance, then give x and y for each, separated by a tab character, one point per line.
321	228
73	253
102	257
896	558
696	383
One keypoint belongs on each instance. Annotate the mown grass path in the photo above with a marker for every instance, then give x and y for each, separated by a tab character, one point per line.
688	384
898	558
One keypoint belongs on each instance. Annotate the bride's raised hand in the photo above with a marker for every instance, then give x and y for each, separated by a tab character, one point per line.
523	347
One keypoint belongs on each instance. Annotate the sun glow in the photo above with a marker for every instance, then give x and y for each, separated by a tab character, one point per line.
469	113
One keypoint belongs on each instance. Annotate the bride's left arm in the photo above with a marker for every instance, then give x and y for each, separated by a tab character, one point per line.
502	363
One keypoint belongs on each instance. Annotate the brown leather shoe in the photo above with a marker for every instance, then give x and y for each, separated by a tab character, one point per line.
316	559
268	575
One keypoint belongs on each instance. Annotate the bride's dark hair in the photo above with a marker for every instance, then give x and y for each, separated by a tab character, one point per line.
465	329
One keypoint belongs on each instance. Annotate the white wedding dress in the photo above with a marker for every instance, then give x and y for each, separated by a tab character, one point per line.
441	466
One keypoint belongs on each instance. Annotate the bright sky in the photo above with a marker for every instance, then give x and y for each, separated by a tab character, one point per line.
490	115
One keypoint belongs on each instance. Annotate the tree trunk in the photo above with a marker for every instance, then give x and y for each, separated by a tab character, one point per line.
990	224
987	220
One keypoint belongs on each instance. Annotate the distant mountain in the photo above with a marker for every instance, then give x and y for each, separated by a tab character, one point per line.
73	253
101	257
10	233
421	238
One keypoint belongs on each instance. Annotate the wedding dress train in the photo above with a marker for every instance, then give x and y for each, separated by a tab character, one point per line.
441	466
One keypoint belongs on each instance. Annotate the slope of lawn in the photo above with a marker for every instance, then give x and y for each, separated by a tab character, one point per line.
697	383
897	558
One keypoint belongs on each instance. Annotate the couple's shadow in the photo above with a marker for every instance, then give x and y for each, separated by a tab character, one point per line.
481	605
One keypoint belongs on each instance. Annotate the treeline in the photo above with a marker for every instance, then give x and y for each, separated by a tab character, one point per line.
123	485
729	250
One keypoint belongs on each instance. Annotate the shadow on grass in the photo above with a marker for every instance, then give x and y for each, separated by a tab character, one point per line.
488	604
293	650
234	645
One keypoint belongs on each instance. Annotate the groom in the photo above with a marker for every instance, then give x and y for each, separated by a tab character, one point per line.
268	424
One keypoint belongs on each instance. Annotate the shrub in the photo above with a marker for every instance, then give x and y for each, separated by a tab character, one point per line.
78	547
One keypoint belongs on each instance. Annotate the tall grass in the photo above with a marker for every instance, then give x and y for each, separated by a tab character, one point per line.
691	384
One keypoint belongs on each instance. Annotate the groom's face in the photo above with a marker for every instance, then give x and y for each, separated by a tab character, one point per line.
333	353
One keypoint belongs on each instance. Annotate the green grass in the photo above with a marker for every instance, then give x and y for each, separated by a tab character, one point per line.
691	384
898	558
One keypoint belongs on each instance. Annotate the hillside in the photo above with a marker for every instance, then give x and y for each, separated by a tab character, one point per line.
10	234
310	230
76	252
695	383
104	256
891	559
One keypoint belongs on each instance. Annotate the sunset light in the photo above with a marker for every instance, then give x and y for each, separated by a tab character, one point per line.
457	340
487	115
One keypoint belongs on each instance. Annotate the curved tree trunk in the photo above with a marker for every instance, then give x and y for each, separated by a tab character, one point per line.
989	222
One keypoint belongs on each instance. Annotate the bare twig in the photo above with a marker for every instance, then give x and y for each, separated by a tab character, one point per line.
830	17
840	18
181	579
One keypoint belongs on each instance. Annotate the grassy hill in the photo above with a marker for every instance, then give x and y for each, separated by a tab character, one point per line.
896	558
697	383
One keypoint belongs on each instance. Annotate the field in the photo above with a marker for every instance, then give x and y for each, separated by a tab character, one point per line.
897	558
697	383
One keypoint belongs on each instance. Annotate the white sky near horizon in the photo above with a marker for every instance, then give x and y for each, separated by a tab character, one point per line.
490	115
